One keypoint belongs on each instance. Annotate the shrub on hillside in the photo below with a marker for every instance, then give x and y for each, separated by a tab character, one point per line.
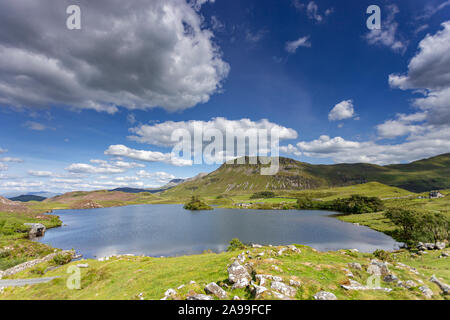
263	195
235	244
356	204
62	259
415	226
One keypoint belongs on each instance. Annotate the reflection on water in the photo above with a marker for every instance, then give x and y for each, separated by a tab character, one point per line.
168	230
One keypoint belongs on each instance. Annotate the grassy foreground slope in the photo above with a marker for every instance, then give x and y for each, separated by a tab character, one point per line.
419	176
126	277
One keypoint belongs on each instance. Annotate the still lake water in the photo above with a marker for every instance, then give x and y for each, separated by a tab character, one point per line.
169	230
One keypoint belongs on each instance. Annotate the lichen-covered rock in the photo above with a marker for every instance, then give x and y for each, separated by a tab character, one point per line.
241	258
390	278
427	292
238	275
409	284
37	230
199	297
355	265
294	283
443	286
170	293
214	289
324	295
258	290
439	245
283	288
294	248
262	278
378	268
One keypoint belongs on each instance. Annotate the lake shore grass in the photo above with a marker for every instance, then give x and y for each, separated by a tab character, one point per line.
127	277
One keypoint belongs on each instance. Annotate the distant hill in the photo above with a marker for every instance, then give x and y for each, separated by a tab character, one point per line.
419	176
97	199
172	183
130	190
27	198
7	205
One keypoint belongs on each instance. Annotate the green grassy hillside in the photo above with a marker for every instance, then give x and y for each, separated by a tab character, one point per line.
419	176
148	278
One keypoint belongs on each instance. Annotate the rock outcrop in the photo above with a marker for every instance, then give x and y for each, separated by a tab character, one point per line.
443	286
238	275
36	230
324	295
213	288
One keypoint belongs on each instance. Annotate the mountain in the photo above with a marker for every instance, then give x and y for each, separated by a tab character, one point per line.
172	183
44	194
27	198
419	176
129	190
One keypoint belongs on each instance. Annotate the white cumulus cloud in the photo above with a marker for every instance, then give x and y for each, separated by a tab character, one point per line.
343	110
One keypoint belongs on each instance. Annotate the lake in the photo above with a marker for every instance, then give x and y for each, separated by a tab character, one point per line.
169	230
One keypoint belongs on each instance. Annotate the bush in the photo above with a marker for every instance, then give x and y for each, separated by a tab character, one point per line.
62	259
235	244
263	195
382	255
196	204
415	226
356	204
39	270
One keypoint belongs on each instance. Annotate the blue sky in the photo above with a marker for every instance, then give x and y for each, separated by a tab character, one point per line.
68	96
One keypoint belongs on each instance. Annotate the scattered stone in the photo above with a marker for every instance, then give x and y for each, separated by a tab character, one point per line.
324	295
294	283
378	268
443	286
262	278
439	245
236	298
170	293
426	291
276	268
192	282
355	265
199	297
260	254
410	284
431	246
354	285
444	255
390	278
214	289
411	269
180	287
280	252
283	288
241	258
294	248
258	290
238	275
279	296
256	245
82	265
